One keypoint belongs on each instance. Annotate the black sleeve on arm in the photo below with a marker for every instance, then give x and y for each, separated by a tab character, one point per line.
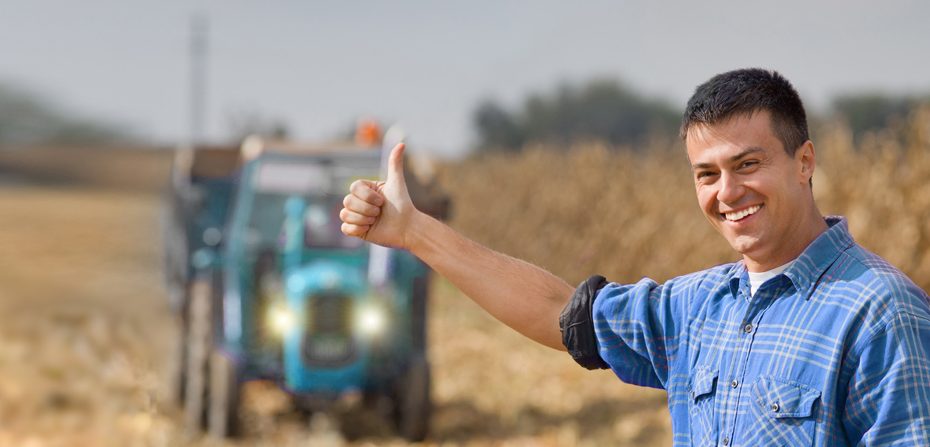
577	324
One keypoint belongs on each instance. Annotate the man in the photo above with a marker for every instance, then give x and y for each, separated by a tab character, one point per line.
808	340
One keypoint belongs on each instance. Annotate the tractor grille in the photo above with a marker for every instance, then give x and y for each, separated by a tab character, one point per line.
329	341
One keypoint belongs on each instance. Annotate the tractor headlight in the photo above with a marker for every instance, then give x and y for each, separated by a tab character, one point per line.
281	320
371	320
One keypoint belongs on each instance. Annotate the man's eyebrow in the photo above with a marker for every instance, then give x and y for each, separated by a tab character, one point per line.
745	152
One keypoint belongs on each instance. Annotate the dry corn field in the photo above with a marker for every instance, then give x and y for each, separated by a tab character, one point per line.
627	215
86	337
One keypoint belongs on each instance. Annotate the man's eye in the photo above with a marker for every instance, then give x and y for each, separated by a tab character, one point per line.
748	164
704	175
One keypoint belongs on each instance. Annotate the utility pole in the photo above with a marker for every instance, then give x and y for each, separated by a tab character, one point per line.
198	78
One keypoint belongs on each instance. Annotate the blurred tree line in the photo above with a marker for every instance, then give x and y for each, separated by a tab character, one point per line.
609	111
874	111
26	118
601	109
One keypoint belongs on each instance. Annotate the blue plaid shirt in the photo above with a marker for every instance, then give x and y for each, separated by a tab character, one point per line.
834	351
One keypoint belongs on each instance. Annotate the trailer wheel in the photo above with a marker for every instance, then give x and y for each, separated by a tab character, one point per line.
412	403
198	346
223	413
178	367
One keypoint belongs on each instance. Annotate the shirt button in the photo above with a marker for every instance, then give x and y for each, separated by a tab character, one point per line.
734	383
747	328
726	441
775	407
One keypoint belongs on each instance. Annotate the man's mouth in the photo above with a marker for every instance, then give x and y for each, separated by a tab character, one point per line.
734	216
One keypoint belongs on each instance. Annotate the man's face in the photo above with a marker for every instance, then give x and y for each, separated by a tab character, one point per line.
749	188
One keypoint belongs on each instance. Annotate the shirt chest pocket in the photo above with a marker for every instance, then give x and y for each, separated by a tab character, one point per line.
784	413
703	390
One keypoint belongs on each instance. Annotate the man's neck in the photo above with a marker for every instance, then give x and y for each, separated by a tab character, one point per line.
806	232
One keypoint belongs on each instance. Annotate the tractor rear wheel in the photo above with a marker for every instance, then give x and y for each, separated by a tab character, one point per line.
412	403
223	413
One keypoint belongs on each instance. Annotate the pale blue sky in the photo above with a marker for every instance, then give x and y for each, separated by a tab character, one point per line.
319	66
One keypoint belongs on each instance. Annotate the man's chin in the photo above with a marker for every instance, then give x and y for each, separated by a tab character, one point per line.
745	245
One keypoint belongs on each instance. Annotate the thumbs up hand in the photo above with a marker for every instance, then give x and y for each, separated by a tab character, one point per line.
523	296
380	212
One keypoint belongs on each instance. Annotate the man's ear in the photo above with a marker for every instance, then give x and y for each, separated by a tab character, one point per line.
806	161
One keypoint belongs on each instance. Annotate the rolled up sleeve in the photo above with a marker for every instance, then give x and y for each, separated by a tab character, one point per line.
639	329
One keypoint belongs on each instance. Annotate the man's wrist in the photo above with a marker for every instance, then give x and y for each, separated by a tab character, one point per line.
416	232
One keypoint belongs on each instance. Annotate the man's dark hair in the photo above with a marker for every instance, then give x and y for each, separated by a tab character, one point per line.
746	91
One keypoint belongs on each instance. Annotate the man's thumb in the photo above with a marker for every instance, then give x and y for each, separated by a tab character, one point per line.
396	164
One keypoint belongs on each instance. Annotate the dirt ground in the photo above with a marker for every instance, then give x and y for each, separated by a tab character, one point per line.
86	339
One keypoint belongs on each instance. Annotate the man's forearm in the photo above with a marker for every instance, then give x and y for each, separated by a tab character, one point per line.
519	294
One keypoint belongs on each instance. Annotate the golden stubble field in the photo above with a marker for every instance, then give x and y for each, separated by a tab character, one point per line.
86	342
86	338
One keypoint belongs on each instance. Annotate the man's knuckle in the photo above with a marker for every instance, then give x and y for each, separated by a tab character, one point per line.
352	230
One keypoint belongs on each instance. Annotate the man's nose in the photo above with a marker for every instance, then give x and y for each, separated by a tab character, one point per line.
731	188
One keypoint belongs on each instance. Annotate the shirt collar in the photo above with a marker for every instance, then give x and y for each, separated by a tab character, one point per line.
813	262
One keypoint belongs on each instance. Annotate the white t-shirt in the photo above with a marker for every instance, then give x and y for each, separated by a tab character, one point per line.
757	279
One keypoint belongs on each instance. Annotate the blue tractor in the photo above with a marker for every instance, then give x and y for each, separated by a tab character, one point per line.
286	297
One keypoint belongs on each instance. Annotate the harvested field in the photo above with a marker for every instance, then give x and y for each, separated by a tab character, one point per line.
86	342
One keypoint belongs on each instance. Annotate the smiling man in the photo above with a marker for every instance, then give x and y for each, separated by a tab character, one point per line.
809	340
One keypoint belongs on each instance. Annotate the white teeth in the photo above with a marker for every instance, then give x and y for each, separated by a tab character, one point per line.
737	215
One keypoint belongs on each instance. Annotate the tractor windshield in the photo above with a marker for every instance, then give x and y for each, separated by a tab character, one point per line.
318	186
322	225
321	221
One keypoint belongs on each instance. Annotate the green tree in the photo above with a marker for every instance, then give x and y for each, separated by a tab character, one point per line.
26	118
868	112
497	128
601	109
